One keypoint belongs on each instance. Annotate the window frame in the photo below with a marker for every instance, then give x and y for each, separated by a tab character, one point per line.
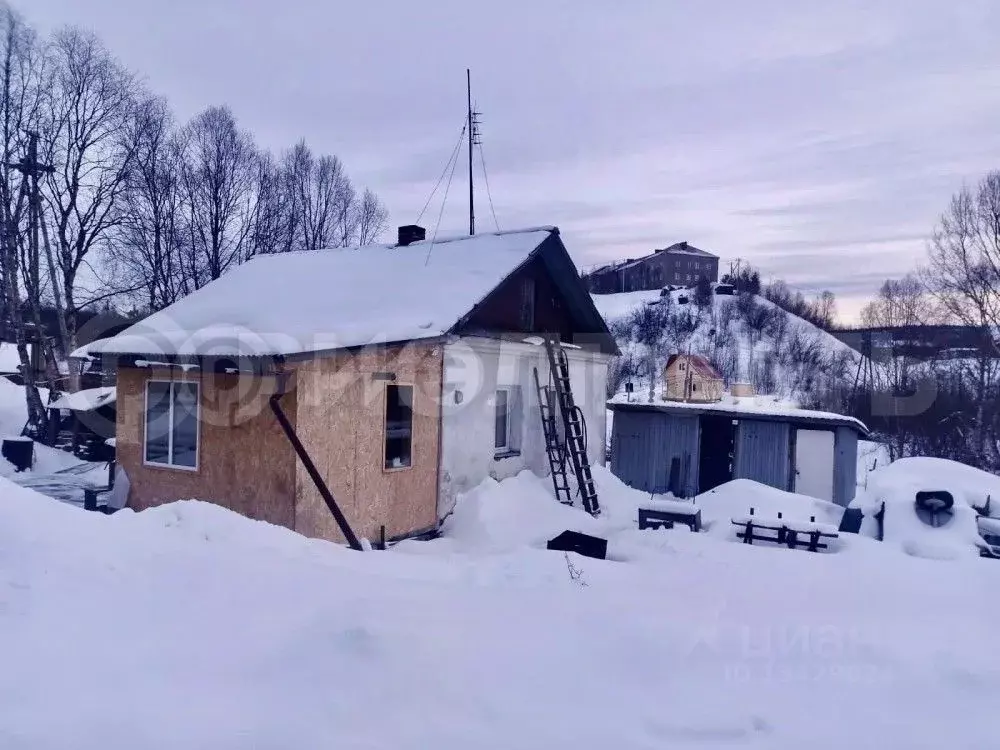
170	433
385	428
506	447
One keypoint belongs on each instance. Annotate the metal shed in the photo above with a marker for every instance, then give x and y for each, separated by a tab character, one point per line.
691	448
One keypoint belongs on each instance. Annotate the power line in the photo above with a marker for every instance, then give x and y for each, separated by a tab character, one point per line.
454	155
444	202
486	179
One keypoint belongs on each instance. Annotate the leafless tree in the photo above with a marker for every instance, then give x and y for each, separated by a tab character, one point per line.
92	101
323	197
963	276
273	230
373	218
648	324
145	253
826	310
963	273
320	205
22	99
220	172
900	302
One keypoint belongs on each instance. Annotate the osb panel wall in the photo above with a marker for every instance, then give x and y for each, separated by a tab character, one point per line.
245	463
341	415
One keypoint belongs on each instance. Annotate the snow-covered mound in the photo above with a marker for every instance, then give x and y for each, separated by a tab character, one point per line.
897	485
786	355
736	499
189	626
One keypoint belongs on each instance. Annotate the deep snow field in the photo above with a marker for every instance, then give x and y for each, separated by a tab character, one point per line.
188	626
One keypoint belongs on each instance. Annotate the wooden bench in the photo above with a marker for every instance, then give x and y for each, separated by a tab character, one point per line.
651	518
753	530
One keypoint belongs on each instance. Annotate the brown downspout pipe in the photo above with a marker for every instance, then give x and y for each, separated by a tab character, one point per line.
300	449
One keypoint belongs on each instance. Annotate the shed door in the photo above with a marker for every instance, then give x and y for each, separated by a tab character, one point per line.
763	452
814	463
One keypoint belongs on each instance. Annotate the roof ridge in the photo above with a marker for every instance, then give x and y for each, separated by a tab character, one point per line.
390	246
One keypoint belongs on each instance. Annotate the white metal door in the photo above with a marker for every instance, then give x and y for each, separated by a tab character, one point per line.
814	463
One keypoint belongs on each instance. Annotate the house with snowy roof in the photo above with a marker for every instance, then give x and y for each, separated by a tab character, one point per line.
681	264
691	377
376	382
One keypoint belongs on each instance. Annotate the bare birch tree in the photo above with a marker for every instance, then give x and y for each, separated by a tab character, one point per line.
145	253
373	218
963	276
92	101
22	98
220	173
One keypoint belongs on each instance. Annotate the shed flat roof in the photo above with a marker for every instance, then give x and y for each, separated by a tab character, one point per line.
752	407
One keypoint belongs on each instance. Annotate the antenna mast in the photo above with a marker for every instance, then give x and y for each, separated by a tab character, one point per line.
473	127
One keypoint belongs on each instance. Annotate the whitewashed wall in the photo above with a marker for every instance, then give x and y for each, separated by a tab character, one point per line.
473	370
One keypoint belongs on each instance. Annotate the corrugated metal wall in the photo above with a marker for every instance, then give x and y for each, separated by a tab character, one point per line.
763	453
845	466
643	445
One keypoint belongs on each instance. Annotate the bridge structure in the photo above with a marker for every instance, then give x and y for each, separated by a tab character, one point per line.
920	342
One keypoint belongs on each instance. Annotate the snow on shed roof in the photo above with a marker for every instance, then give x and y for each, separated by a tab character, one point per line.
744	407
293	303
86	400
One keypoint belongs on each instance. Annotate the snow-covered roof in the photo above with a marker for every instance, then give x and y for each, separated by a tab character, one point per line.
678	248
315	301
10	361
743	407
683	248
86	400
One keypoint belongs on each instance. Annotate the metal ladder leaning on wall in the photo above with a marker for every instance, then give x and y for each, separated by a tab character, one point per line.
575	448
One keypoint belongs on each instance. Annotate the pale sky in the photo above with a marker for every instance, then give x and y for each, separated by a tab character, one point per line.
817	140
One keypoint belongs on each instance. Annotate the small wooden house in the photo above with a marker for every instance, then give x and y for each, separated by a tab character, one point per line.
395	377
692	378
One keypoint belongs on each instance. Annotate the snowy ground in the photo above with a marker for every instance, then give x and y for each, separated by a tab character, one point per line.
188	626
54	471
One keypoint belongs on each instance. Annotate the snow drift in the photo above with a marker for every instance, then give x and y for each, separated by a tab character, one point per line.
190	626
897	484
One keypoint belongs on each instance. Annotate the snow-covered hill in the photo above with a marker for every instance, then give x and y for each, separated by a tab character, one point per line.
749	339
188	626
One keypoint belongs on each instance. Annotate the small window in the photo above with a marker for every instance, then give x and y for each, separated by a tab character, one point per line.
694	387
398	426
171	424
683	367
528	304
508	420
677	277
501	422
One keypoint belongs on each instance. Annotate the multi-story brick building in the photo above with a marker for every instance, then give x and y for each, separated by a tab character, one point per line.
680	264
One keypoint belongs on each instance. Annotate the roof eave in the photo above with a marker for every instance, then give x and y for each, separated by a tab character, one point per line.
693	410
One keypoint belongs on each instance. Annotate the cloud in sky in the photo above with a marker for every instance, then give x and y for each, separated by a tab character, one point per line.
817	140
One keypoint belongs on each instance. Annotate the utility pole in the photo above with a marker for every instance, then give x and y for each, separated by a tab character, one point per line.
473	128
31	169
